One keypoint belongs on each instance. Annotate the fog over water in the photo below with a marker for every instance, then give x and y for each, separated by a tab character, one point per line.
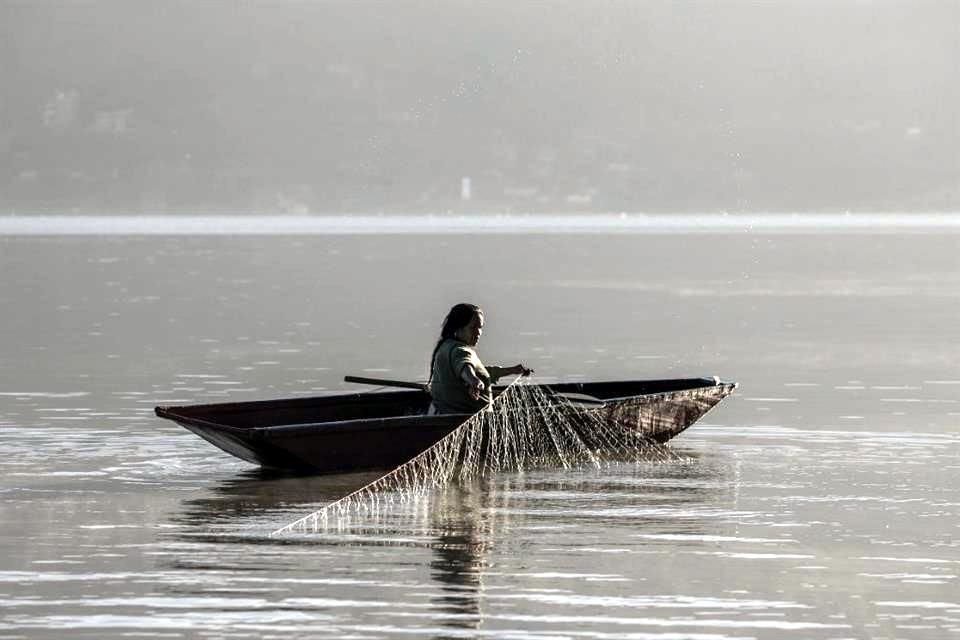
337	106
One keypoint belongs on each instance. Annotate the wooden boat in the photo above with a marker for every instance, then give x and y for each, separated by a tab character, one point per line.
381	430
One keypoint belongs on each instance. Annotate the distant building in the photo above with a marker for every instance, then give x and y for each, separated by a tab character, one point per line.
61	110
112	122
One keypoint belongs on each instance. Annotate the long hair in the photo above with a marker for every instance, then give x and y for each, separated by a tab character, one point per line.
460	316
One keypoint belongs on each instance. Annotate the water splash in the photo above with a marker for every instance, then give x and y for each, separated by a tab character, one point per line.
526	427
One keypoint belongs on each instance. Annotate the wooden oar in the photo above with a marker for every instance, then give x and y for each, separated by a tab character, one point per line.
581	398
386	383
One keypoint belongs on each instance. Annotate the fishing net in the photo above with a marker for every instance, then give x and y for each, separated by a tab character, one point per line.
528	427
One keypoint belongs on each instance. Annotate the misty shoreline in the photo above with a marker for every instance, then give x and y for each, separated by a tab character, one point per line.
562	223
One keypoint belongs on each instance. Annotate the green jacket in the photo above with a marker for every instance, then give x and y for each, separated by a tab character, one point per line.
448	389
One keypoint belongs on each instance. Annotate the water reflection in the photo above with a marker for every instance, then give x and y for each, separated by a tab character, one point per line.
464	537
262	492
618	487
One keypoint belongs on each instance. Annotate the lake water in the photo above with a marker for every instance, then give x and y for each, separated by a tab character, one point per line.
820	501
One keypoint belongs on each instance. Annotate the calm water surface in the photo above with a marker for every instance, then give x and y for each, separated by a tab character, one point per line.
821	501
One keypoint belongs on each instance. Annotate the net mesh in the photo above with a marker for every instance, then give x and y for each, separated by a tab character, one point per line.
528	426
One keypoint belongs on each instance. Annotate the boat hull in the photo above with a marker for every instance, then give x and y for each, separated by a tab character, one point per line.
380	431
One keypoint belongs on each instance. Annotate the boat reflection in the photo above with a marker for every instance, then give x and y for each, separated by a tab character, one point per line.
261	492
464	527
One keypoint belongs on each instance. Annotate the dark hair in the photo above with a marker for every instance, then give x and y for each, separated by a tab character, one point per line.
460	316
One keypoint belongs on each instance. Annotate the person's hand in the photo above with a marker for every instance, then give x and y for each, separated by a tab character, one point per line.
523	370
475	390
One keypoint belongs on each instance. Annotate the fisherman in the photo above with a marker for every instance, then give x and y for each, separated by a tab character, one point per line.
459	382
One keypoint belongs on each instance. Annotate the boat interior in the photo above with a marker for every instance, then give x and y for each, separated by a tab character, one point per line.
388	404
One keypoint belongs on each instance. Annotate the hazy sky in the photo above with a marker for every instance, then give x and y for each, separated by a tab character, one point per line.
597	106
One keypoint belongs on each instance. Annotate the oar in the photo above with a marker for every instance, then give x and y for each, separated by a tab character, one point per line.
386	383
581	398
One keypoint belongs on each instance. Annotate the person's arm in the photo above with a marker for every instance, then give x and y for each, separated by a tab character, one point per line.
462	359
474	384
498	372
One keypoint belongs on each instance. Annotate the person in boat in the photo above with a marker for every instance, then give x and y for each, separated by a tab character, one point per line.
459	382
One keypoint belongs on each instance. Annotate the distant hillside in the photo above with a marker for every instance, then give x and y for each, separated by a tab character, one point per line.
341	106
